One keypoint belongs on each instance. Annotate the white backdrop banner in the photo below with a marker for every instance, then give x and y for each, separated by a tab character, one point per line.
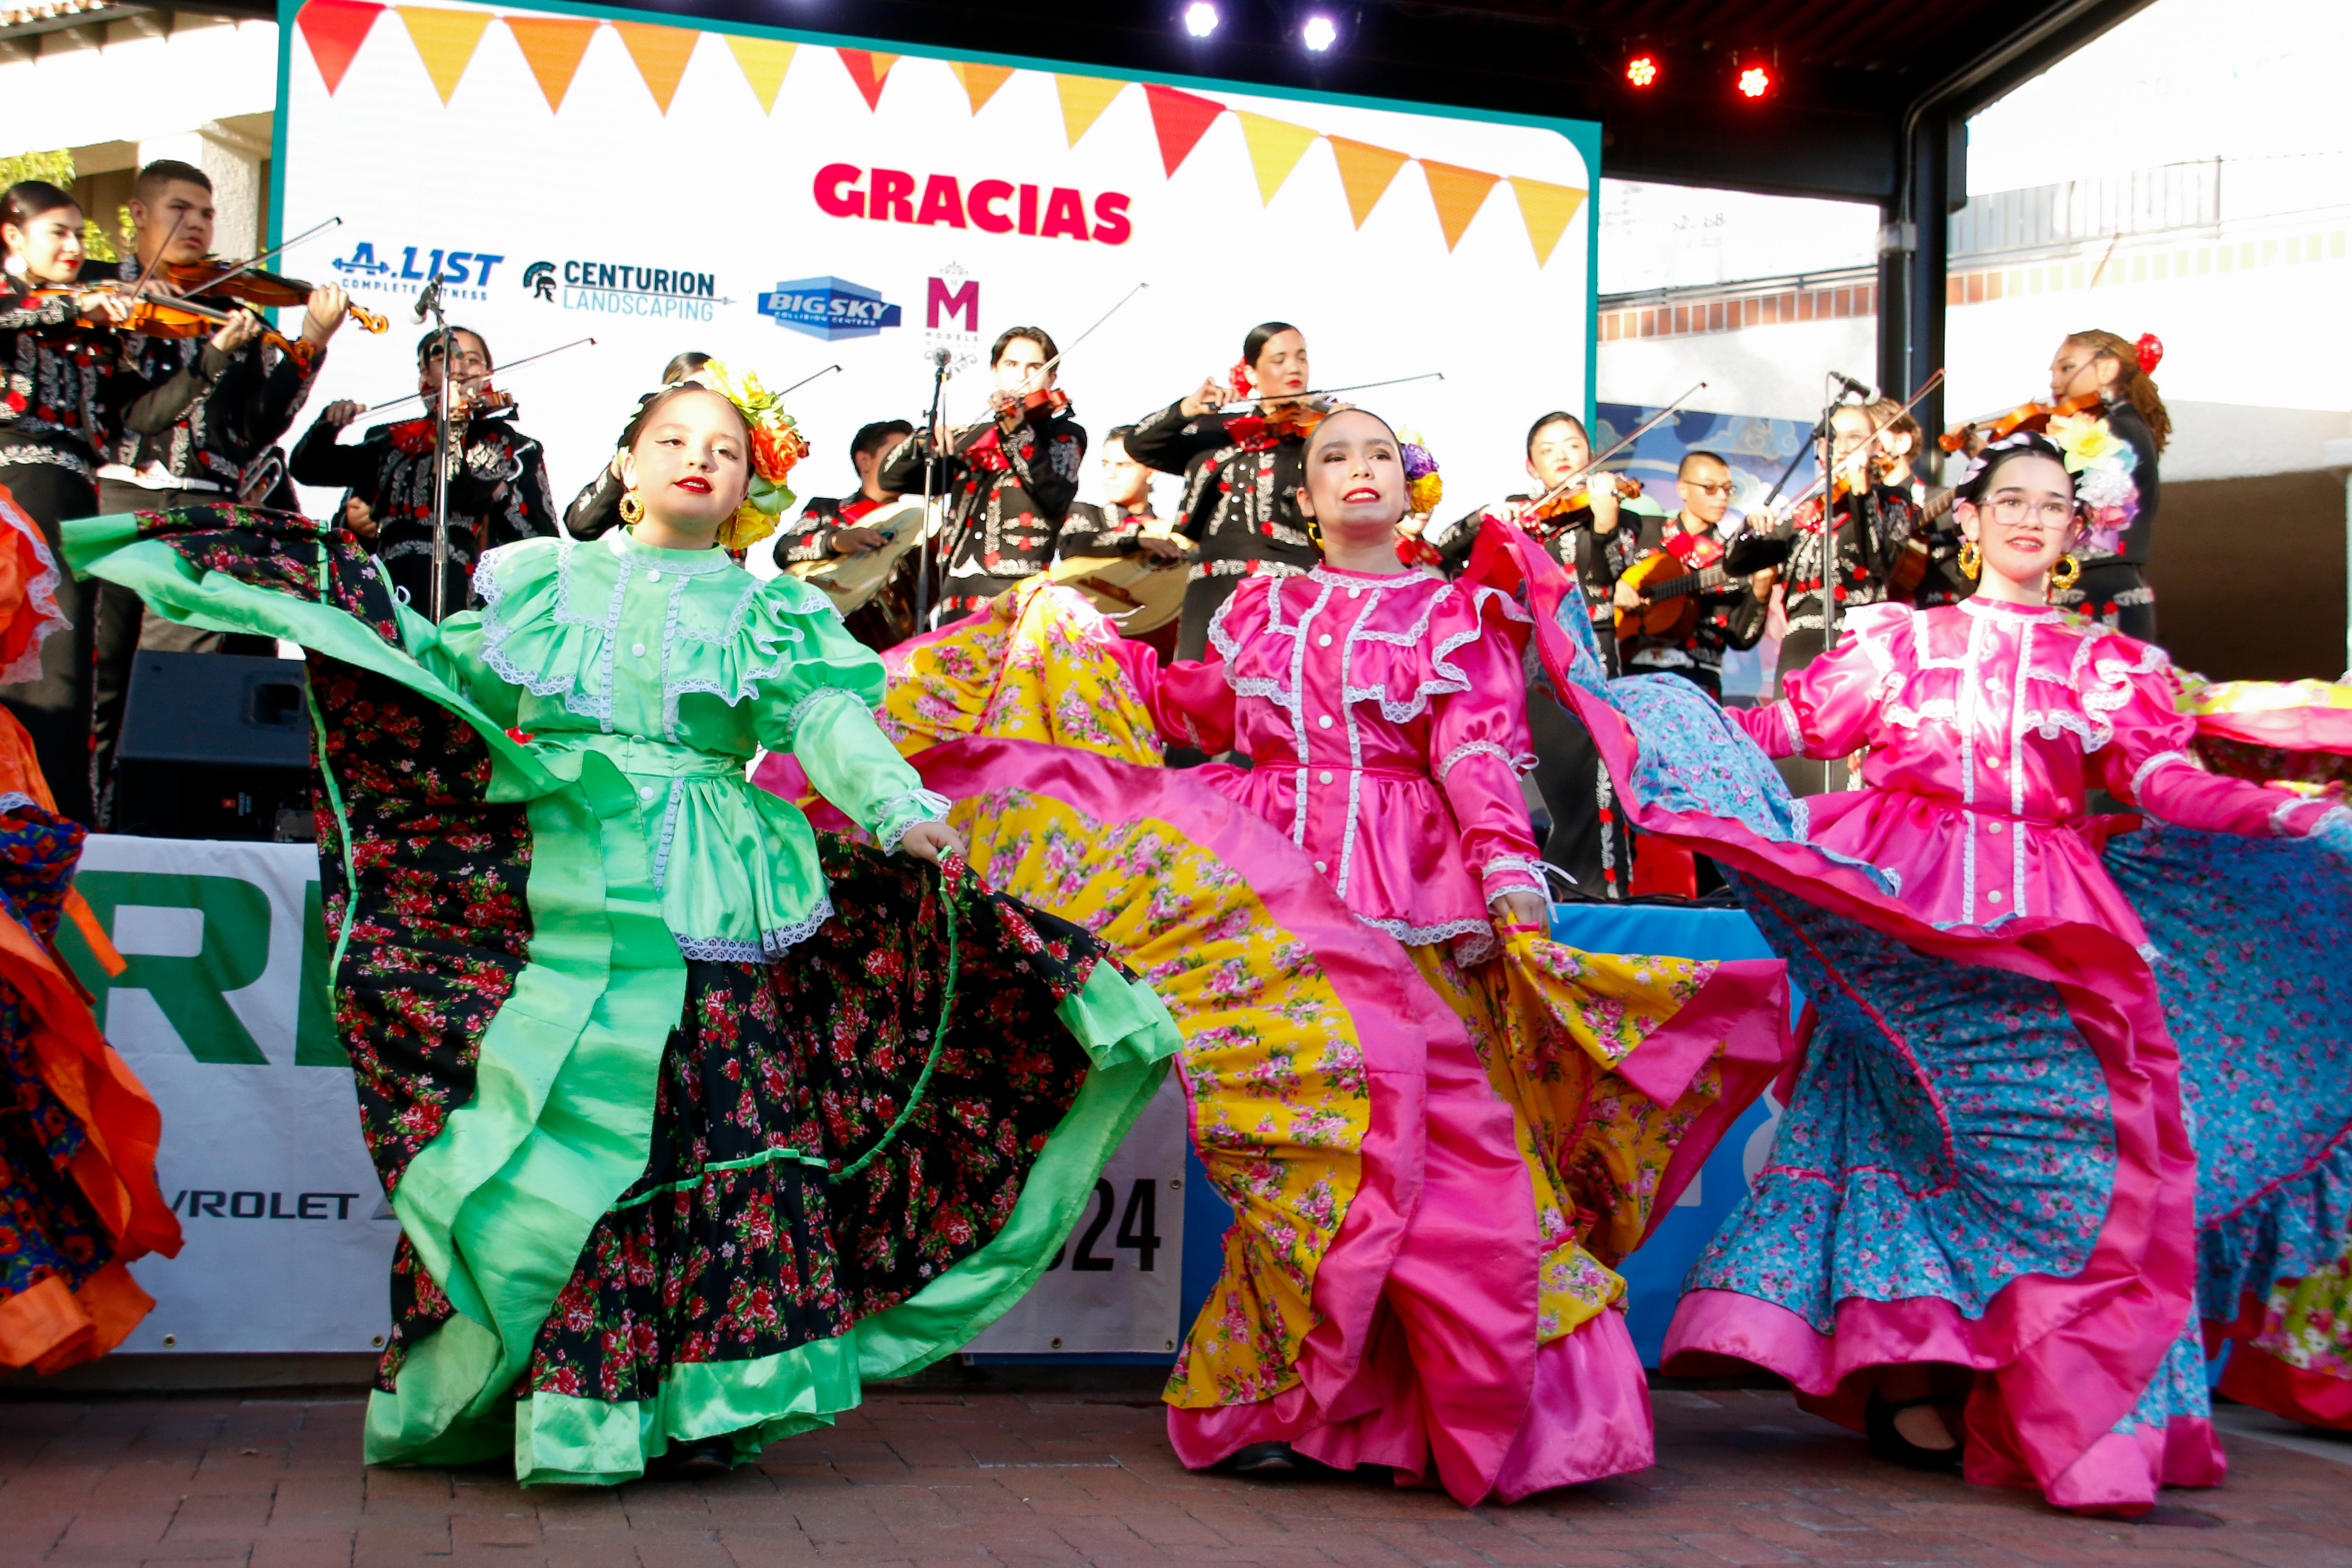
790	202
221	1010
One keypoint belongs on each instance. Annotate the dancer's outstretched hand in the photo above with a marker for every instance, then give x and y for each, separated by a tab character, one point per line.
929	841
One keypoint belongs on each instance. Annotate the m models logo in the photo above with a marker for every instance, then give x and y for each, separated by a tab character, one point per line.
828	307
619	289
465	274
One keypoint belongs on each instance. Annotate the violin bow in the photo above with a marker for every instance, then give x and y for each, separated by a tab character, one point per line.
148	274
1358	386
796	385
261	257
1820	481
1042	370
1591	464
502	370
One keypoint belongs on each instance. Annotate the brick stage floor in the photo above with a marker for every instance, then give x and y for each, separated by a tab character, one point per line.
942	1477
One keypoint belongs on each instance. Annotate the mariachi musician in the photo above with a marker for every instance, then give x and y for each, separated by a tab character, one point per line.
245	399
498	475
2094	364
1242	473
1727	619
1872	521
829	529
1009	479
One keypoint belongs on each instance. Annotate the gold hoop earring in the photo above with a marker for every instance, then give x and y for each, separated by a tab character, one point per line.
1315	532
2066	573
633	511
1971	560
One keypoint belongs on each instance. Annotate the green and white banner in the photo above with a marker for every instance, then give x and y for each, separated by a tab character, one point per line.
222	1012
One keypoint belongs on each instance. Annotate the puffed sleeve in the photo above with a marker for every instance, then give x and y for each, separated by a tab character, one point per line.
1829	708
2148	764
1478	747
819	706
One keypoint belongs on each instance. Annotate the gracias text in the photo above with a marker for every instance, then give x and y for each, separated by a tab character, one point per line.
993	206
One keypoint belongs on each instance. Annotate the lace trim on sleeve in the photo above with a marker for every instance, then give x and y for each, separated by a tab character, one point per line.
2161	760
1507	867
901	812
2281	828
1793	727
1521	765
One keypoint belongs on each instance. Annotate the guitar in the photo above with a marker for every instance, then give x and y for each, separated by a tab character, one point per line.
852	581
1140	593
1670	606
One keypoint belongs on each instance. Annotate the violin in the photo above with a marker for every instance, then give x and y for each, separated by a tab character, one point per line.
2032	416
1297	419
168	316
248	285
1051	402
1624	487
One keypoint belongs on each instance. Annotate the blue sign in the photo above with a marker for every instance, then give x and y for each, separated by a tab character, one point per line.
828	307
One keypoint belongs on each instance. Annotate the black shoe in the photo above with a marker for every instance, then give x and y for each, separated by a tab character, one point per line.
702	1457
1888	1443
1266	1461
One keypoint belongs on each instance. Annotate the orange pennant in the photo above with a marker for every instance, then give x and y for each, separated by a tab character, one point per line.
980	83
1084	97
552	47
661	54
764	62
446	41
869	71
1458	193
1546	210
1365	171
1275	148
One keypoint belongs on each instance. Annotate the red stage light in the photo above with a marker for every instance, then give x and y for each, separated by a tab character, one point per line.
1642	70
1755	82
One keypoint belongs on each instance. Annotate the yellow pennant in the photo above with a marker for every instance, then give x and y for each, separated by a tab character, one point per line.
1548	210
1084	97
446	40
1275	148
763	62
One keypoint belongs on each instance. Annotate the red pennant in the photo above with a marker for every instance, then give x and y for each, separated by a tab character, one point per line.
1181	119
868	70
334	30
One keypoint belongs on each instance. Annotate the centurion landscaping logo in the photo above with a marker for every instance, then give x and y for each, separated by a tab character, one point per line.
625	289
828	307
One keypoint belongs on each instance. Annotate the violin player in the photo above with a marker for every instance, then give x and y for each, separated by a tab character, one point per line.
498	475
1243	471
66	396
243	398
1009	479
2113	587
1862	524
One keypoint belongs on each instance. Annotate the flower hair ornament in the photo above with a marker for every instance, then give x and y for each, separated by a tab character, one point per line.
1240	379
776	445
1423	489
2151	352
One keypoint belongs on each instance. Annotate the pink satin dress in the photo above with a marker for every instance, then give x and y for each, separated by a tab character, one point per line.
1386	721
1987	726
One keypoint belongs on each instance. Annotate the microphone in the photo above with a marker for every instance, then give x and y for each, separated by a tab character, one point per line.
942	358
427	298
1861	389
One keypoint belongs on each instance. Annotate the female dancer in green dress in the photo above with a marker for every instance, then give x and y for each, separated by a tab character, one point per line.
692	1120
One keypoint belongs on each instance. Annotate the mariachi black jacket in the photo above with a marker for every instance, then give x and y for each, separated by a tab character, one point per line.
498	494
1731	618
65	391
1872	529
1008	494
1242	476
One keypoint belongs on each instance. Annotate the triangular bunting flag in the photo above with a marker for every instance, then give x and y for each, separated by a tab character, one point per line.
1459	192
1275	148
334	29
1365	171
1084	97
980	83
552	47
1179	118
446	40
661	54
1547	209
764	62
869	71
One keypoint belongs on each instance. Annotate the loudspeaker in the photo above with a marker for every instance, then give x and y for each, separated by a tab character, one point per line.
215	745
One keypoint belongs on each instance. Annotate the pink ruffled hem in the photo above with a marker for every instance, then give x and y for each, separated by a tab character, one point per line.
1587	1418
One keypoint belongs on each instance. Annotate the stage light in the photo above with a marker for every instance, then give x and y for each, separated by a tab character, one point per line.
1319	33
1755	82
1642	70
1200	18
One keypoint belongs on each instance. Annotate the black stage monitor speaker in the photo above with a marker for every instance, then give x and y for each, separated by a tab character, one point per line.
215	745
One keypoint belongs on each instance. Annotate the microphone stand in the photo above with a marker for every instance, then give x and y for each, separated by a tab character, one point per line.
931	464
1824	436
428	303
